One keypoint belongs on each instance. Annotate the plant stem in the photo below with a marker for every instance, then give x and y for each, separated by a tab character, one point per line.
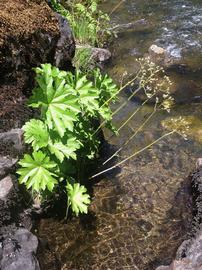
133	155
131	116
131	137
116	7
125	102
67	209
107	101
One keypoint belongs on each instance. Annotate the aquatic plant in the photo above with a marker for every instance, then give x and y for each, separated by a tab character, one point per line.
179	124
156	85
61	139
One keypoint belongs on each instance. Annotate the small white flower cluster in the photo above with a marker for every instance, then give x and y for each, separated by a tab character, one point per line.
179	125
151	80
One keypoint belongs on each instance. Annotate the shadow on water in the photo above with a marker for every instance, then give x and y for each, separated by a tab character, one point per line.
141	212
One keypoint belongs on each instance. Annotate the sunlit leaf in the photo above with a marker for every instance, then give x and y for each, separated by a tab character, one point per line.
78	198
36	172
36	134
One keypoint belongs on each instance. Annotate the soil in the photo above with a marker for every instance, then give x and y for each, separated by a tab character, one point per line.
29	32
14	113
21	17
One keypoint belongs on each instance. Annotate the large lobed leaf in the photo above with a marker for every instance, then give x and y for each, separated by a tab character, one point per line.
61	150
107	88
58	105
36	133
37	172
86	92
78	198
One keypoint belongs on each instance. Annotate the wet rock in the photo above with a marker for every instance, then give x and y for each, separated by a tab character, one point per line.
184	264
6	186
141	25
18	251
6	164
157	54
164	58
98	55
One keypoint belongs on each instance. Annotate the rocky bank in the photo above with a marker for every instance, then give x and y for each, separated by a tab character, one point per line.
30	34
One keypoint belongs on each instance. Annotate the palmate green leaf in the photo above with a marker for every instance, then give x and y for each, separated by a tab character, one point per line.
59	116
107	88
58	105
36	172
86	92
78	198
105	112
36	134
61	150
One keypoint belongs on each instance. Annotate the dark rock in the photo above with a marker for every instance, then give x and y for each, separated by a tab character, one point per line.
6	185
189	254
65	47
11	146
6	164
12	206
19	250
11	142
28	36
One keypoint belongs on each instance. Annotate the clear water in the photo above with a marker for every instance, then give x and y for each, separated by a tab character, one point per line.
141	212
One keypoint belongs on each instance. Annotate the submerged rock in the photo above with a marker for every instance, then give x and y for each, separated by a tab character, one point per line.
141	25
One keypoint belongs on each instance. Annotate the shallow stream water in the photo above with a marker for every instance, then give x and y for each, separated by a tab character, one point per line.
141	212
